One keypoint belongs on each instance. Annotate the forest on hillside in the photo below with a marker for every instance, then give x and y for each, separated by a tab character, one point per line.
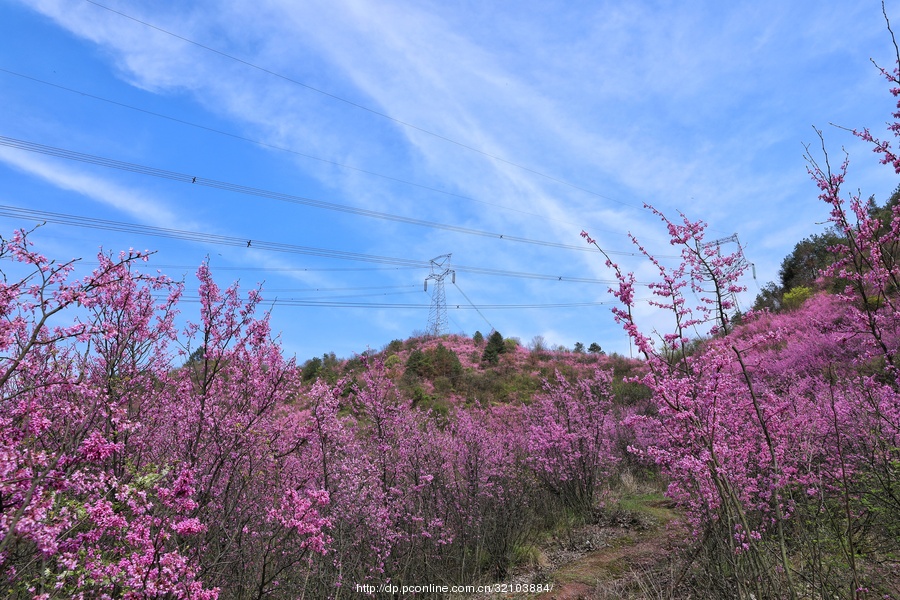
143	460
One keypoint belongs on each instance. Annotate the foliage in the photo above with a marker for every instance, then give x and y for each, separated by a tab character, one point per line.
807	263
769	297
570	437
123	477
804	269
796	297
781	438
327	368
434	362
493	349
538	344
804	265
311	369
240	474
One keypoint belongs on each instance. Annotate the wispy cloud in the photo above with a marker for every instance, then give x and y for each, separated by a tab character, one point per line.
694	108
136	204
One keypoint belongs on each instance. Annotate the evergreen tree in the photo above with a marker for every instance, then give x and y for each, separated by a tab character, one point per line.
494	348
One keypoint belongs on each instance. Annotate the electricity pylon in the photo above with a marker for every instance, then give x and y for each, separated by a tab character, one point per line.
740	263
437	315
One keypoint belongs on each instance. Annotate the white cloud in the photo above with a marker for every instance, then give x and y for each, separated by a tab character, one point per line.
134	203
700	108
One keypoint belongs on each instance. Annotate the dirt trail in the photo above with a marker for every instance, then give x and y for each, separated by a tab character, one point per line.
629	561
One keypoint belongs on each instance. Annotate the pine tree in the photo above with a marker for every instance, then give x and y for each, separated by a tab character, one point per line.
495	346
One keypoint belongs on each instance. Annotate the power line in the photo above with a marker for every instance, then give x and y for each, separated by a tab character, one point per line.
289	150
279	269
397	305
242	242
473	306
361	106
299	301
341	289
279	196
345	296
201	237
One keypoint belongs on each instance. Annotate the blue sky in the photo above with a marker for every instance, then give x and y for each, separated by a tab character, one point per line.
530	120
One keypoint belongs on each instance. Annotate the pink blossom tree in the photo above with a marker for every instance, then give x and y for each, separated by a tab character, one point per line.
780	437
121	476
74	524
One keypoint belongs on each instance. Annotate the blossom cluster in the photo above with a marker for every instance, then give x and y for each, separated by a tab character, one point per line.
780	436
140	460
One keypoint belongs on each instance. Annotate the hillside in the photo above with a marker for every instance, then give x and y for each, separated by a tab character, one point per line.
449	371
743	456
216	467
158	441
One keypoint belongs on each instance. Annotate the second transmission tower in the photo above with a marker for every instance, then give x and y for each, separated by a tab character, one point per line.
739	265
437	316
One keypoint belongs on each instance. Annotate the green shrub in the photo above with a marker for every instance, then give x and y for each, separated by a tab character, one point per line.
795	297
311	369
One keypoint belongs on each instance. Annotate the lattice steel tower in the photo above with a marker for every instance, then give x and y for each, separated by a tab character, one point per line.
437	316
740	262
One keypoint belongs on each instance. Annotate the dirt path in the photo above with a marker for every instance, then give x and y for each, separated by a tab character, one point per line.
628	558
625	554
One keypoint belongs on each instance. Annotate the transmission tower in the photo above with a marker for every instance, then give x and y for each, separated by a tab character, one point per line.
740	263
437	316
